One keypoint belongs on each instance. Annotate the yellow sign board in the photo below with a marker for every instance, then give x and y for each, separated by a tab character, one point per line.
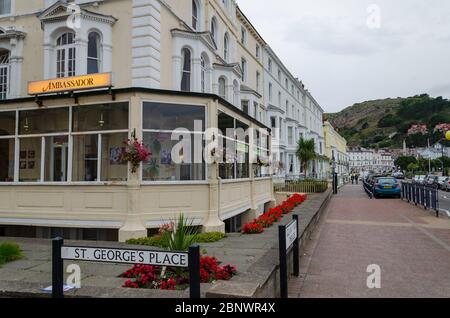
67	84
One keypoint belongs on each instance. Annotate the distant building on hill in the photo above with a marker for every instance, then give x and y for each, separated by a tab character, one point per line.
418	129
442	127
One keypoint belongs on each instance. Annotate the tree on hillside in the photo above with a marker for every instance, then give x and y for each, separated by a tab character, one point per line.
306	152
404	162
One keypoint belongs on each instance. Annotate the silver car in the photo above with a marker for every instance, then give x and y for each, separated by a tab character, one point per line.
443	182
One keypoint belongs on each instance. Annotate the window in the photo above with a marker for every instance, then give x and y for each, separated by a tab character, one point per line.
258	80
226	48
245	106
65	55
290	136
258	51
236	154
99	132
244	69
214	29
4	74
222	88
194	15
186	72
270	65
93	62
7	145
160	121
243	35
286	83
270	92
48	152
279	76
5	7
203	74
279	99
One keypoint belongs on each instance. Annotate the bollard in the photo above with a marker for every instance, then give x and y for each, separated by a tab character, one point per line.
57	268
194	272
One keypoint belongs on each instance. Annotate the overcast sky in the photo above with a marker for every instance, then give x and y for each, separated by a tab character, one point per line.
345	53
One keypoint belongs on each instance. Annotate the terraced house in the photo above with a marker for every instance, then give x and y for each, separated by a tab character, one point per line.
78	78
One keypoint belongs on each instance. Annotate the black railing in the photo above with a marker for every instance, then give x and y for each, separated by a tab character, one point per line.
426	196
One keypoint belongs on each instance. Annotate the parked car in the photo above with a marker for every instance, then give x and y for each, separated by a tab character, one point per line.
431	180
443	181
386	187
398	175
419	178
446	186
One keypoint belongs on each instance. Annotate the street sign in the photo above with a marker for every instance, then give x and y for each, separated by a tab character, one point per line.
125	256
288	236
96	254
291	233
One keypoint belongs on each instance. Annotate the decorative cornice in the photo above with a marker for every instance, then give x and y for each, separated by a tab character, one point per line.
205	37
11	34
61	11
234	67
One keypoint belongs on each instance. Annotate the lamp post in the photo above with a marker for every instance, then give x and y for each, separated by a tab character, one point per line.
333	161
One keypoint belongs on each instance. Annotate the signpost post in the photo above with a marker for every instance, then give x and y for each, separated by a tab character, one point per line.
61	252
288	237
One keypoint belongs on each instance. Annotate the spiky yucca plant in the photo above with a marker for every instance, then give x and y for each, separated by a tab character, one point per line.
182	236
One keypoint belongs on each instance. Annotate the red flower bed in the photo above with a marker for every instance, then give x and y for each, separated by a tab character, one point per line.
274	215
144	276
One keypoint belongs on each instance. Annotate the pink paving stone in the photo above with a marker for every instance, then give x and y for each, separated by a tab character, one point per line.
409	244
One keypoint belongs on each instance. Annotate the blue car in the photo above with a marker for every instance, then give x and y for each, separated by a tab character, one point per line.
386	187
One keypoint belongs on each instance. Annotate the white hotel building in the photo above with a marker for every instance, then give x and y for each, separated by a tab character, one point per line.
172	62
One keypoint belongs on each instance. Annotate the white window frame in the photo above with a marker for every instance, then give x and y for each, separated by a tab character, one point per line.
177	182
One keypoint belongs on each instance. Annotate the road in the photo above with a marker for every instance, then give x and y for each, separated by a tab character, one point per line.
444	202
409	246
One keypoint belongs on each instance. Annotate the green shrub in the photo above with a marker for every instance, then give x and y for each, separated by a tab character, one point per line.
157	241
9	252
209	237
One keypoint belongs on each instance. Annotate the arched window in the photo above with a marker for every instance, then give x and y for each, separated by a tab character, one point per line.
186	73
226	47
203	74
214	29
222	88
194	15
65	55
4	74
93	62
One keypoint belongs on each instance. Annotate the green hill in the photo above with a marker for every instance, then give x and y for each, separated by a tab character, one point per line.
385	123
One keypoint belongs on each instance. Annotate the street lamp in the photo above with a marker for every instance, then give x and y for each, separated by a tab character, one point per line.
333	161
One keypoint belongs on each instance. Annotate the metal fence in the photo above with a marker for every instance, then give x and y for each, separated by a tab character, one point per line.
423	195
302	186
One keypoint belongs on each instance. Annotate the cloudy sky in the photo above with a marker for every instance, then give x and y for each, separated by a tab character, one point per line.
346	52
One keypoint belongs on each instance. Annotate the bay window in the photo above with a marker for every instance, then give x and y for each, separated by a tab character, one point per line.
236	149
99	134
42	145
161	123
187	71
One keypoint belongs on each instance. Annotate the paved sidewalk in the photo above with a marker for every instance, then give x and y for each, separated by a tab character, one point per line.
411	246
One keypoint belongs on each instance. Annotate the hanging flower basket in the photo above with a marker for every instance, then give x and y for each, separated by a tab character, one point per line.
135	153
